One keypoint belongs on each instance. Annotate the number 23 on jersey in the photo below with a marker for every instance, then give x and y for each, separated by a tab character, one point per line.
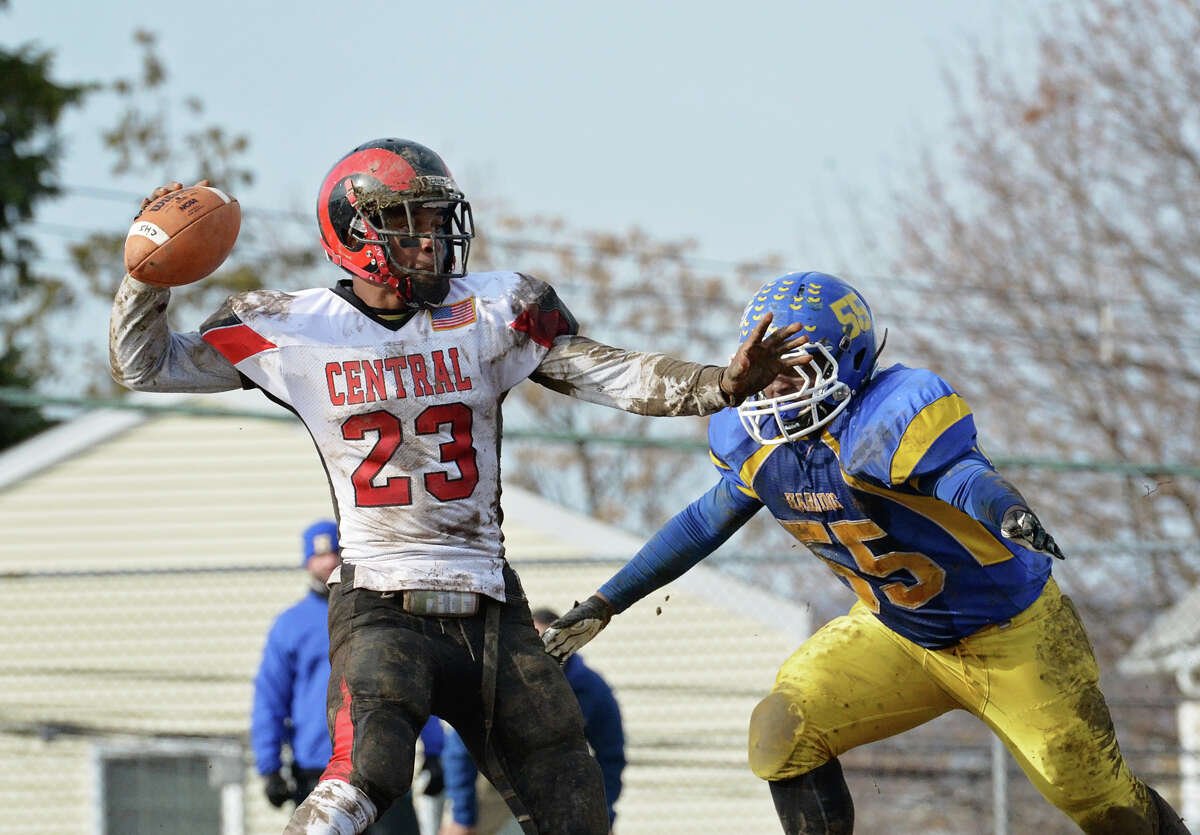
397	490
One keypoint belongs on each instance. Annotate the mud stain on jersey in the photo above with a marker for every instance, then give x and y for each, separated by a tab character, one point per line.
132	294
273	304
527	291
645	384
470	527
519	296
495	509
877	444
137	309
442	577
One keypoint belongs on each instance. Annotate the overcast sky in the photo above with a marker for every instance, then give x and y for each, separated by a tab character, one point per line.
735	124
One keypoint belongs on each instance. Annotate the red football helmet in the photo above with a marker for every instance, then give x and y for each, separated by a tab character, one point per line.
394	174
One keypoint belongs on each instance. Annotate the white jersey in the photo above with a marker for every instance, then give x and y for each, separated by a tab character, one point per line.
404	410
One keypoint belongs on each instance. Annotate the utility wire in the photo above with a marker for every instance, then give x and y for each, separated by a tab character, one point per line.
957	324
22	397
999	290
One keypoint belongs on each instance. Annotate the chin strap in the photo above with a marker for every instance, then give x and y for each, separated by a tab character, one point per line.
407	296
393	282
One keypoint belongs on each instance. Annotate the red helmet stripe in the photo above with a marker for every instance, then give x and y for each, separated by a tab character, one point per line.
388	167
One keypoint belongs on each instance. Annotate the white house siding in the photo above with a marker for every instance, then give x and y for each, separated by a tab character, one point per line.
98	657
45	786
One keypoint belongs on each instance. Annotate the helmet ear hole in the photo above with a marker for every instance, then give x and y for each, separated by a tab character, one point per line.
859	357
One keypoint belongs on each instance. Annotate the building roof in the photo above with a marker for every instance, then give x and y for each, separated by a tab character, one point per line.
1170	645
145	555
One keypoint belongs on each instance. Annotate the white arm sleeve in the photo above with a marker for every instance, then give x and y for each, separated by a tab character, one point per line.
146	356
645	384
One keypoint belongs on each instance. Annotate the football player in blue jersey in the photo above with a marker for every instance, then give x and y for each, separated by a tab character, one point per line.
879	473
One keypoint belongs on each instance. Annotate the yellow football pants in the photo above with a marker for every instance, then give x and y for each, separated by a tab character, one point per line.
1033	681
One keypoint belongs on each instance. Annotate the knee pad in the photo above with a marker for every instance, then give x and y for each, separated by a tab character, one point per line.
775	729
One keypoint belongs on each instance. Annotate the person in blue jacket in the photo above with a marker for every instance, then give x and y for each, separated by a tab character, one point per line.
289	695
602	727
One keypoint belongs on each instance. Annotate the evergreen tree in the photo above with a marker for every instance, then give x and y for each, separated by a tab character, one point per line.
31	104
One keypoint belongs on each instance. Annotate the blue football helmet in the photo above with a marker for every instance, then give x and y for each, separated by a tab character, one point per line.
841	334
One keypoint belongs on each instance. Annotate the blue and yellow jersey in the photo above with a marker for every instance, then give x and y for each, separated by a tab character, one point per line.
929	571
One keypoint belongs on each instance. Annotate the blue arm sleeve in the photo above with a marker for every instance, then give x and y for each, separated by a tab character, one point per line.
973	486
689	537
458	770
433	737
606	735
272	704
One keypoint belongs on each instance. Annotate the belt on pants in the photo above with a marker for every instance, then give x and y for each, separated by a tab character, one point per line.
429	602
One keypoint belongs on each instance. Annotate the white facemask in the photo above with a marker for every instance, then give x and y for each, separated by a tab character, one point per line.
819	400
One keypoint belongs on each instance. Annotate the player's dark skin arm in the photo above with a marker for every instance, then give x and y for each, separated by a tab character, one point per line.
760	360
174	185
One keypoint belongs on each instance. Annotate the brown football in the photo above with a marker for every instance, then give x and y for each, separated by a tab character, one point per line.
183	236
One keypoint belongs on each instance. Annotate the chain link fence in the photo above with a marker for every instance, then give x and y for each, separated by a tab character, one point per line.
145	559
126	700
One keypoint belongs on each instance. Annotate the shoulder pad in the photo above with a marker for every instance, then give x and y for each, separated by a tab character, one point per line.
261	303
908	422
538	311
729	447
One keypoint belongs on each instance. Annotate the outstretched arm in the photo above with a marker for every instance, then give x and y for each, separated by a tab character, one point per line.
689	537
656	384
973	486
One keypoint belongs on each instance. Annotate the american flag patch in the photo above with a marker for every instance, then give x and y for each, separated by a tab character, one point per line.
453	315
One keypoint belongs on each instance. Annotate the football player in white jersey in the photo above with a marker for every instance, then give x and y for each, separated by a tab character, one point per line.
398	373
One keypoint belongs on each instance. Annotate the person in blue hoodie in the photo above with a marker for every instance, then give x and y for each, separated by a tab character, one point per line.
602	727
289	695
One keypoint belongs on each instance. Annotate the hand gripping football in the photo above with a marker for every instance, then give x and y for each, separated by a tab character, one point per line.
182	236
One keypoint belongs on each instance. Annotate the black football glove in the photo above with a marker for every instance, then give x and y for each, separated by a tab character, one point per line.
435	781
565	636
277	789
1022	526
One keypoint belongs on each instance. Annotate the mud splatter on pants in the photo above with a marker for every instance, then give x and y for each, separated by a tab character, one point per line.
1033	681
392	670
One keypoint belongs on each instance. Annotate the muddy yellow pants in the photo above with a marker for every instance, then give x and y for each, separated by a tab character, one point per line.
1033	681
